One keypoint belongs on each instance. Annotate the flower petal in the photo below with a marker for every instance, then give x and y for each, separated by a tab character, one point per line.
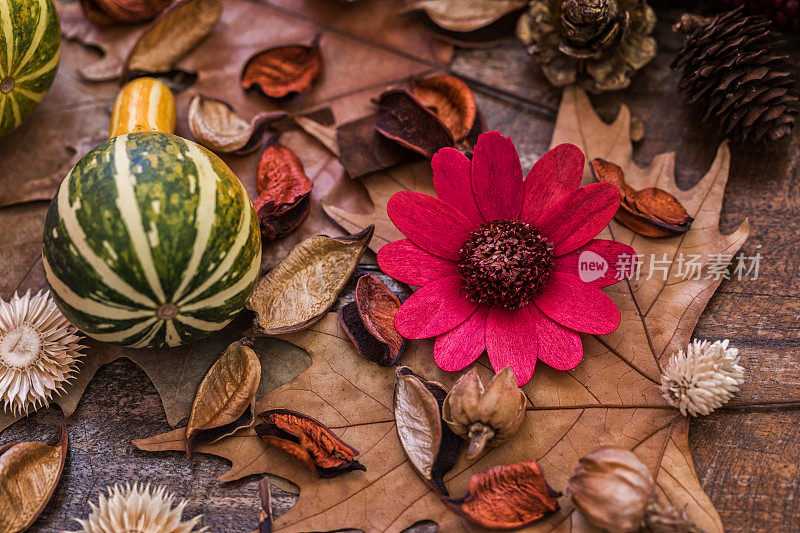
407	262
578	217
511	340
556	174
429	222
578	305
559	347
496	177
600	263
463	344
434	309
451	179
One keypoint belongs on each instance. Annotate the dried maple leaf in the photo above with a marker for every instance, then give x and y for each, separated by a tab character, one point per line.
611	398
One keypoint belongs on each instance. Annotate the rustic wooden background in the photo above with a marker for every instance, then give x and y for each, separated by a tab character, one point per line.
746	457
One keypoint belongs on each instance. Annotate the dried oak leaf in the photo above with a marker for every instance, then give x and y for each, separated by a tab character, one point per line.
301	288
284	70
29	474
469	23
171	36
108	12
369	321
430	445
283	192
215	125
507	497
225	398
308	441
651	212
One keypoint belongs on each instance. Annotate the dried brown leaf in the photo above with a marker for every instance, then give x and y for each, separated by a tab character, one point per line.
362	150
309	441
215	125
284	70
430	445
301	288
469	22
507	497
29	474
171	36
265	509
325	134
108	12
451	100
224	401
408	122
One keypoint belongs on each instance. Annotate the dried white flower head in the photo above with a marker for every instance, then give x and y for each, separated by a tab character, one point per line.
39	352
702	378
138	509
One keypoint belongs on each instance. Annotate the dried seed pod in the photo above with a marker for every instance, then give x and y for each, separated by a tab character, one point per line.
309	441
369	321
485	416
468	23
225	398
507	497
281	71
301	288
108	12
428	442
451	100
284	192
611	488
363	150
29	474
405	120
651	212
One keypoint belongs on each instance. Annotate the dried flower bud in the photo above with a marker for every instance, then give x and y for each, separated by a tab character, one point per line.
703	378
485	416
611	488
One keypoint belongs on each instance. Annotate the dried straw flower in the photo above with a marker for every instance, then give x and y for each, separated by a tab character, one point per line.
703	378
138	509
39	352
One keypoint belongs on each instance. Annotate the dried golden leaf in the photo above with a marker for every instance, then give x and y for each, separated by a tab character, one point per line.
172	35
216	125
29	474
224	401
301	288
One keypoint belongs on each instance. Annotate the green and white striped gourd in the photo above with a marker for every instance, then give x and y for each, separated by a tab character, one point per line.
30	47
151	240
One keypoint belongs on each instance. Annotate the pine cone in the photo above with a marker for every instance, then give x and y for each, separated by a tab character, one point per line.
784	13
732	67
598	43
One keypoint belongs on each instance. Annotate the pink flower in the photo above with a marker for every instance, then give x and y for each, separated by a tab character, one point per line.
496	258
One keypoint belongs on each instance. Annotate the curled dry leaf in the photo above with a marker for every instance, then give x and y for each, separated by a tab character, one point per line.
215	125
171	36
108	12
430	445
224	401
309	441
298	291
29	474
507	497
369	321
283	192
652	212
470	23
285	70
406	121
451	100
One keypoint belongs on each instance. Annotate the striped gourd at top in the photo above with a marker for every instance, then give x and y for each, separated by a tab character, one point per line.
151	240
30	47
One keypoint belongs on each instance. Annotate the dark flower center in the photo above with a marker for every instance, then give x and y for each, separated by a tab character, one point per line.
505	262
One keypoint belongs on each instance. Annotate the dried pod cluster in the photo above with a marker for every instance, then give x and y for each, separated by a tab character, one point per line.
309	441
485	416
369	321
652	212
283	71
284	192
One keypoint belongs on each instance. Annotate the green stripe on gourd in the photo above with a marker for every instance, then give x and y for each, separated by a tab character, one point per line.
30	47
151	240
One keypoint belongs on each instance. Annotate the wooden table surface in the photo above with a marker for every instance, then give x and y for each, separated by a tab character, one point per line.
746	457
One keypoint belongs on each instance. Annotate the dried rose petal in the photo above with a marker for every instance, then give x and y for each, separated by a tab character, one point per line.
369	321
309	441
405	120
507	497
108	12
283	192
281	71
651	212
451	100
